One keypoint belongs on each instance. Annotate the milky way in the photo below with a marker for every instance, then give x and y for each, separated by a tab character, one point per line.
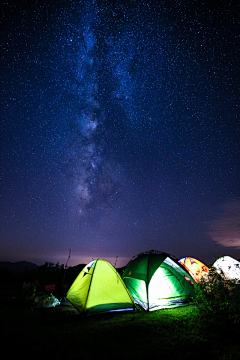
119	129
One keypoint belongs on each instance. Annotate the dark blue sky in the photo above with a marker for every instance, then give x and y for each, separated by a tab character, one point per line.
119	130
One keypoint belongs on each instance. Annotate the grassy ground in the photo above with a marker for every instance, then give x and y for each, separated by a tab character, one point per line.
61	333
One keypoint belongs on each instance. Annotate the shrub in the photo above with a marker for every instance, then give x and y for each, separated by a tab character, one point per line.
217	297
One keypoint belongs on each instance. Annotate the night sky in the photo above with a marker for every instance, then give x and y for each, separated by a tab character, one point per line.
120	130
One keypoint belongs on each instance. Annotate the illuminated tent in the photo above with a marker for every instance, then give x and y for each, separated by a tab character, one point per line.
99	288
156	280
229	266
195	267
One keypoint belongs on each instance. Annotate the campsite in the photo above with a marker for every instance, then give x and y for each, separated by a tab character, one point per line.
62	331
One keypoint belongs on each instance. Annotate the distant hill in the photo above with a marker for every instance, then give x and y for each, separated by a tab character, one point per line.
18	271
18	267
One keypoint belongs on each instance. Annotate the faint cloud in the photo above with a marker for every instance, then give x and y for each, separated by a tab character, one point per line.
226	229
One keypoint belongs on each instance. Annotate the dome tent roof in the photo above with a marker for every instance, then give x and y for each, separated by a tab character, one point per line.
195	267
229	266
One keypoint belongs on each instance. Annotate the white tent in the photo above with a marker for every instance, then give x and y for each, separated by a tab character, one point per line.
229	266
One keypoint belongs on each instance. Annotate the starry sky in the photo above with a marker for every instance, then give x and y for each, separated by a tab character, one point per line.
120	129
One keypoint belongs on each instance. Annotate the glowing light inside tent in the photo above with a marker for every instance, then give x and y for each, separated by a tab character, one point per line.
229	266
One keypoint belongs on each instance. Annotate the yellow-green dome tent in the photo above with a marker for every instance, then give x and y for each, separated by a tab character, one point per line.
99	288
156	280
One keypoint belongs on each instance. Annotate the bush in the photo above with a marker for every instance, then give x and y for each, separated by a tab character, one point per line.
50	273
217	297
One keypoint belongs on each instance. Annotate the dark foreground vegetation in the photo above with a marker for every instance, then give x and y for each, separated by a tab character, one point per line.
61	333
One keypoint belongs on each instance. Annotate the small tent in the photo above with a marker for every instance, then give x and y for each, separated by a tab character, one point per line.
229	266
195	267
99	288
156	280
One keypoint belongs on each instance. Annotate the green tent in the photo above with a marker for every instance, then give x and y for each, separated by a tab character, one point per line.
99	288
156	280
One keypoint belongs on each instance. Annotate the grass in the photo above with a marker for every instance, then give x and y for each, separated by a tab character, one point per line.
61	333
